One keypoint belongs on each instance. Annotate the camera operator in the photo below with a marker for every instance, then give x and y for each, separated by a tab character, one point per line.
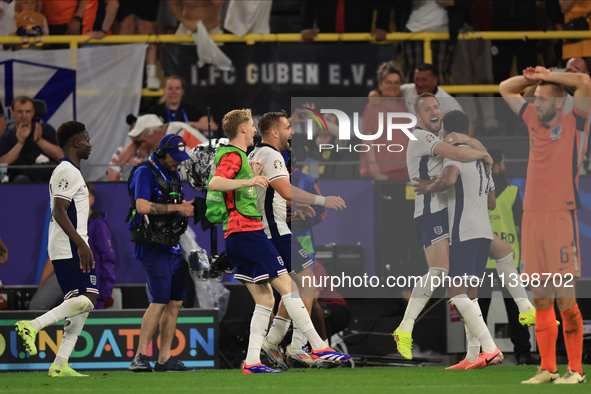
157	219
26	140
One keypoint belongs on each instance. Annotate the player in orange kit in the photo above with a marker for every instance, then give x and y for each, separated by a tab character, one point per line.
550	234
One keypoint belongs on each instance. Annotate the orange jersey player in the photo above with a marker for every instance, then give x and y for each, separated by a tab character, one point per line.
550	235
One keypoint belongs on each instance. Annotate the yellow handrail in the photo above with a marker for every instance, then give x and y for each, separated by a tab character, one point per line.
250	39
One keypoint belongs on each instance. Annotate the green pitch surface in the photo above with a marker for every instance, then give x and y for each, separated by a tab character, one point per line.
499	379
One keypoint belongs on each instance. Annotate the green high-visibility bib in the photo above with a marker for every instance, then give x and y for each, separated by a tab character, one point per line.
503	223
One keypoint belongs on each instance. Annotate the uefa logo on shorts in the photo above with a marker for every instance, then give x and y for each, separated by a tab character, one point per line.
438	230
93	279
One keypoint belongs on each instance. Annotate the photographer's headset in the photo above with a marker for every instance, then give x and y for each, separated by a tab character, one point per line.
161	153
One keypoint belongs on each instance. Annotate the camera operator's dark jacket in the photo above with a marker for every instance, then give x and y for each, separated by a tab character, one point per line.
150	181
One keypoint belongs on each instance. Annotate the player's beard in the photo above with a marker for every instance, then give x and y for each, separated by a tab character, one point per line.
548	115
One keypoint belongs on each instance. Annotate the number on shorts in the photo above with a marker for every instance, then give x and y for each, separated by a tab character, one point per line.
564	255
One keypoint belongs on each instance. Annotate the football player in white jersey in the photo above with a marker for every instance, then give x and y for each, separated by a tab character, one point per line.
468	187
275	129
68	250
424	159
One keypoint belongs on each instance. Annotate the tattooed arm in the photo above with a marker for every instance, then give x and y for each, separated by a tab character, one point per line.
146	207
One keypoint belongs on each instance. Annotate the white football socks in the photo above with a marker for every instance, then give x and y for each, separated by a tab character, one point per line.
278	330
258	330
506	267
68	308
298	338
299	315
420	296
72	328
472	343
472	318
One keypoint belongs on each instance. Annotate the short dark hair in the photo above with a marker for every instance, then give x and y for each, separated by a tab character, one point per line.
558	90
496	154
269	120
428	67
22	100
456	122
67	130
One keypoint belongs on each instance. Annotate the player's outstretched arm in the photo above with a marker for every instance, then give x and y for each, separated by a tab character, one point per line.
220	184
448	178
511	90
60	208
284	188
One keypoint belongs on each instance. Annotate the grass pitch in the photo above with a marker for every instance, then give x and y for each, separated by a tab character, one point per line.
501	379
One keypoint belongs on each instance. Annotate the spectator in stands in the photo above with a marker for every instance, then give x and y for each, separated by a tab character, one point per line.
2	120
189	12
99	16
49	293
171	108
426	81
378	163
553	21
248	17
432	16
25	5
24	141
344	16
138	149
144	14
475	55
64	17
513	15
572	10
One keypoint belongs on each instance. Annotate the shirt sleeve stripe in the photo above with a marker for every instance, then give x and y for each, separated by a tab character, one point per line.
433	147
278	176
62	196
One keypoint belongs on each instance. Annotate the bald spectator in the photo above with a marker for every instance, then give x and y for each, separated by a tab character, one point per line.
189	12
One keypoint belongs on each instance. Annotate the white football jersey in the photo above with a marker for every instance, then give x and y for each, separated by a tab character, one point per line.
423	163
270	204
467	201
67	182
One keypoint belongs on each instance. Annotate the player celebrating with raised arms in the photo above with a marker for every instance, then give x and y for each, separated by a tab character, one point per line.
232	199
550	238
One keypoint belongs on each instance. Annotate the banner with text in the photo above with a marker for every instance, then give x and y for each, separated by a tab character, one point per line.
264	77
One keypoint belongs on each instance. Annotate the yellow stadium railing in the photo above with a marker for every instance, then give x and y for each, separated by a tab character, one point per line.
250	39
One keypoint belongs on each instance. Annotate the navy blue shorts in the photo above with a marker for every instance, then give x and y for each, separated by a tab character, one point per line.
432	228
72	279
293	254
255	257
469	258
164	274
